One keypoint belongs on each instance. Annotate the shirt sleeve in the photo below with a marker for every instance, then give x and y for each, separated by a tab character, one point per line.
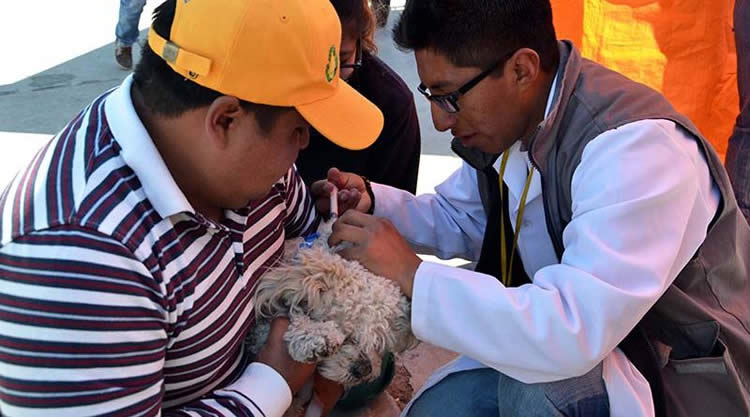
301	218
643	198
448	224
84	331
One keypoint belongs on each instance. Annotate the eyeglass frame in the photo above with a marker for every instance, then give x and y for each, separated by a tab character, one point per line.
451	99
357	64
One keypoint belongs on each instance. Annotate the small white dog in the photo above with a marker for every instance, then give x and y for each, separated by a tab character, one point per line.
342	316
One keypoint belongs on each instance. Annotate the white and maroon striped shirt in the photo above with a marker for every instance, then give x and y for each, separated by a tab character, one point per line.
116	297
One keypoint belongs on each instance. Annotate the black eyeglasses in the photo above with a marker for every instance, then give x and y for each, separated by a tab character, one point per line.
449	102
357	57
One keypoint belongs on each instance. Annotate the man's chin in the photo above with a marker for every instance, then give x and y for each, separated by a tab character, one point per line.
493	147
487	148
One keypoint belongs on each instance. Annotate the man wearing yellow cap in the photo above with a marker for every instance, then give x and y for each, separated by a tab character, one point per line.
131	245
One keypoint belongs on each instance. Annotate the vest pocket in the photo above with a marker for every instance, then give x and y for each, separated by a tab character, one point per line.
699	375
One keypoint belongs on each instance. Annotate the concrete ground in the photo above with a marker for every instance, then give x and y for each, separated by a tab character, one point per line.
65	59
58	56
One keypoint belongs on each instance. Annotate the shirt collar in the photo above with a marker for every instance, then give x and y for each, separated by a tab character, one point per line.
140	153
551	96
519	164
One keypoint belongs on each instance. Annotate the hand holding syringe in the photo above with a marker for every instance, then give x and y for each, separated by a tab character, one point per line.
339	193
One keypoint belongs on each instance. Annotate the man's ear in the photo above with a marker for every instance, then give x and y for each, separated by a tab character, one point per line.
222	116
524	67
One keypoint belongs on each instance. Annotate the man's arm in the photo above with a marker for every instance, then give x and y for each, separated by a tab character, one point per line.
84	330
449	223
642	203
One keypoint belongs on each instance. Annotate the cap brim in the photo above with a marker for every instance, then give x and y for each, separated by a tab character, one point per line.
346	118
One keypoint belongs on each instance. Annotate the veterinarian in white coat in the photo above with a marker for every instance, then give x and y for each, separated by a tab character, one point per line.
618	209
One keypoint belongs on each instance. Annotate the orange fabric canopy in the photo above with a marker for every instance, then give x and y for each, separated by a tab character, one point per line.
683	48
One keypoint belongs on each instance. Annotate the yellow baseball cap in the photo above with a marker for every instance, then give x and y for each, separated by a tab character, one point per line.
275	52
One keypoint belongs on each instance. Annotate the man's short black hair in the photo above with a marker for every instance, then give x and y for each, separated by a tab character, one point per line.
168	94
477	33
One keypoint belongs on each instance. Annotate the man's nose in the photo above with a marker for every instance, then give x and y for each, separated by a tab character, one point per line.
442	119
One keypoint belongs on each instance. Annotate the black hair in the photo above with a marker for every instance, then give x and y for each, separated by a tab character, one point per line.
359	13
166	93
477	33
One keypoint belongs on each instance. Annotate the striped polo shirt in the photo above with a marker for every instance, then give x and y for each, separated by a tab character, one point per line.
116	297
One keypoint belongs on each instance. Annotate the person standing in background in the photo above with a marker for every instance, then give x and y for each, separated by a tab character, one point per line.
126	31
381	9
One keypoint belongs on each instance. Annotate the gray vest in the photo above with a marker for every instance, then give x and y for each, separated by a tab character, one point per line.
693	346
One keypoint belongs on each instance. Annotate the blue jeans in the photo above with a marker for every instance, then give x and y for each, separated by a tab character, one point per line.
738	153
488	393
127	24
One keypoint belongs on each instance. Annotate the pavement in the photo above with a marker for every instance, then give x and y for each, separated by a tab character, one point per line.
58	56
65	59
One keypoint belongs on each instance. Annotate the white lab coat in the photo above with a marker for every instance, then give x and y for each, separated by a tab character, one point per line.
642	203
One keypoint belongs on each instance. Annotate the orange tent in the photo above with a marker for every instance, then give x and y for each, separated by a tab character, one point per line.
683	48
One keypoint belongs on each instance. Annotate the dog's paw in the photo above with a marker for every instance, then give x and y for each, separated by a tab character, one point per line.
310	341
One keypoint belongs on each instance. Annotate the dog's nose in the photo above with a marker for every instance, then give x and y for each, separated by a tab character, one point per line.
361	368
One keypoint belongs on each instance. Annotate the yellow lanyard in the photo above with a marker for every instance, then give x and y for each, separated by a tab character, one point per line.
505	270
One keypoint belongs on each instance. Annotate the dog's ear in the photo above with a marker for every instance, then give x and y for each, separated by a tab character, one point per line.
296	293
313	287
277	291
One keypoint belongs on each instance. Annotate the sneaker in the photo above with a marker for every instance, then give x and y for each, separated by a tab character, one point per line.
381	8
124	56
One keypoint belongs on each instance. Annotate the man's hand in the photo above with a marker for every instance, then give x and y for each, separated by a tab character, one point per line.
352	192
276	355
378	246
325	395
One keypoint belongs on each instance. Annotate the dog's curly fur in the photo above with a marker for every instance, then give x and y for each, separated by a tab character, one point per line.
342	316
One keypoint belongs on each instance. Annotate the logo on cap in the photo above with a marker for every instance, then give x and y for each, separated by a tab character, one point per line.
332	59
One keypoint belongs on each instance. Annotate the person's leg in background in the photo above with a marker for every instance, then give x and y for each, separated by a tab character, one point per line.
126	31
738	153
381	8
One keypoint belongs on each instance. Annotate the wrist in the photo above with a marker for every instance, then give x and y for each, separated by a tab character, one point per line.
268	389
408	277
293	377
276	357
